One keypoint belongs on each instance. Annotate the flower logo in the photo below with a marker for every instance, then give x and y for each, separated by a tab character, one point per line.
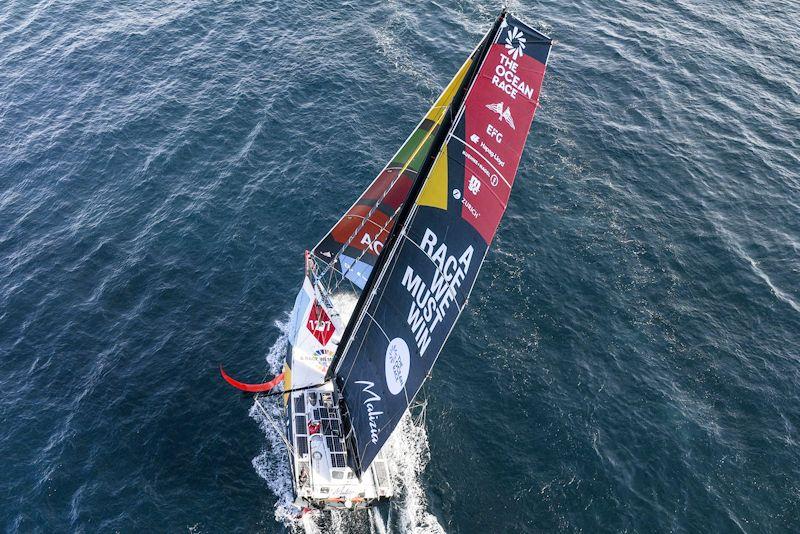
515	35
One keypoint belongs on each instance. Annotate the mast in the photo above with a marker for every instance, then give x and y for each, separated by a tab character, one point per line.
391	242
446	227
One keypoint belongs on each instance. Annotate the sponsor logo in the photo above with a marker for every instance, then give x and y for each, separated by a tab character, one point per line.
397	365
470	208
372	244
494	133
319	324
503	113
474	185
369	403
456	194
323	358
514	34
430	302
475	138
495	180
472	159
496	157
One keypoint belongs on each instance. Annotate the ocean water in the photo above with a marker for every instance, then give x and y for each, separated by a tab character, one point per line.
629	361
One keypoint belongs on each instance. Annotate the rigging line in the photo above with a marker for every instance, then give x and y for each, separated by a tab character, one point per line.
448	109
344	274
495	169
334	270
285	391
396	211
379	326
276	427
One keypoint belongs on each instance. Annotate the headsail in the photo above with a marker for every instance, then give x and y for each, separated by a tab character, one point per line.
433	256
354	243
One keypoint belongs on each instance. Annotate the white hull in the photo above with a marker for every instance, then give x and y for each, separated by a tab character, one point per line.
321	477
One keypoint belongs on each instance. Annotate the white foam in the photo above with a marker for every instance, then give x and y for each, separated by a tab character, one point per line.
273	463
344	303
407	451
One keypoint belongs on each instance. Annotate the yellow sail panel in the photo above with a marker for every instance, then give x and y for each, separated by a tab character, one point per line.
434	192
287	382
436	113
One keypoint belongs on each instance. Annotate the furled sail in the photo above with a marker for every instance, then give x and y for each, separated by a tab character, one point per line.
353	245
433	256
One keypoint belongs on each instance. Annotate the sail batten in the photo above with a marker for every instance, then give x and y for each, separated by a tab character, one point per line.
421	283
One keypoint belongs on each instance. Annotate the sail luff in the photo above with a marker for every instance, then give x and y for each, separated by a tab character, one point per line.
409	160
380	272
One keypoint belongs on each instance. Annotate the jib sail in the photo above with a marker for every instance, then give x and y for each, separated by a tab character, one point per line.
353	245
433	257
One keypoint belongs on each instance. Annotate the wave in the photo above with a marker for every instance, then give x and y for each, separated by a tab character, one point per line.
408	453
735	245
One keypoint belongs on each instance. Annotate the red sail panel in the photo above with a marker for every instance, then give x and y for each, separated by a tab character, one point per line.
498	113
370	236
395	193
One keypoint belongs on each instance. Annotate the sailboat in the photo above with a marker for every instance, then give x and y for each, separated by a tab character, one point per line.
384	287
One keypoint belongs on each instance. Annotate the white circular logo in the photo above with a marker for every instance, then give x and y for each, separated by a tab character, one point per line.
397	365
456	194
515	35
494	180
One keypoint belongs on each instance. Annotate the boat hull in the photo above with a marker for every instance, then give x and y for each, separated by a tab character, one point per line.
322	477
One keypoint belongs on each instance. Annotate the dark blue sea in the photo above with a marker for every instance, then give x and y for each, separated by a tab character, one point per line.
630	357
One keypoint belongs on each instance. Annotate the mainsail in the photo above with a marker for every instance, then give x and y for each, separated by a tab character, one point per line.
432	257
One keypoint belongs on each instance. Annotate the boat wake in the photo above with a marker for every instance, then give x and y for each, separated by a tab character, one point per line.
273	464
407	451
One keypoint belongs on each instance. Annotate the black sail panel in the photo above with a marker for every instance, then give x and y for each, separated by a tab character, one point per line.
430	270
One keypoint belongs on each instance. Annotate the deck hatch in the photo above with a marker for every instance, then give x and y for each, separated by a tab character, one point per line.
299	404
300	425
381	474
334	444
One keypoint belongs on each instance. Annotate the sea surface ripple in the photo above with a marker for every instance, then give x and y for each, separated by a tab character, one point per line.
630	358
